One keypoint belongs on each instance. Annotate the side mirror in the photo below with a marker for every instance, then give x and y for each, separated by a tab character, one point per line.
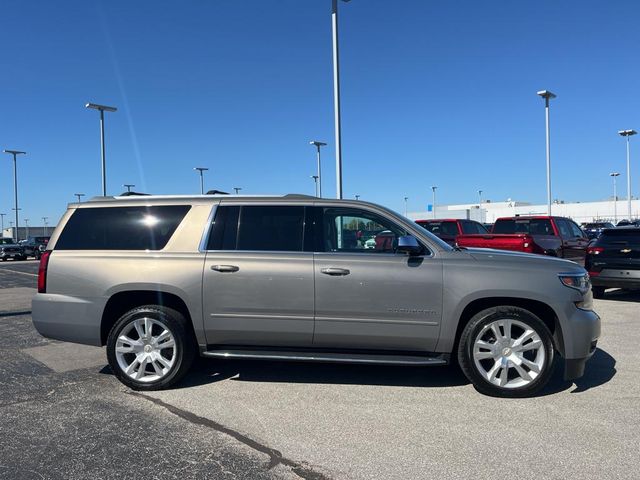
409	245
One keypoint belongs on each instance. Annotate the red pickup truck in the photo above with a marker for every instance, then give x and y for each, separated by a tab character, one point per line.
448	229
556	236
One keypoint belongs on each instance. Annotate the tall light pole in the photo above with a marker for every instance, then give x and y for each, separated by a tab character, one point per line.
547	95
44	228
479	198
336	96
315	180
628	133
357	197
2	224
15	185
615	196
79	195
237	189
318	144
201	170
405	205
433	189
128	186
102	109
26	224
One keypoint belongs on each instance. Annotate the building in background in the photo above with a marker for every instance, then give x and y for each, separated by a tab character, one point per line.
580	212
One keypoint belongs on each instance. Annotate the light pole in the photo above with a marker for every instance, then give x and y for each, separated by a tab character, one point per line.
336	96
628	133
79	195
433	189
479	198
318	144
547	95
15	185
315	179
615	196
201	170
237	189
102	109
2	224
44	228
128	186
405	205
357	197
26	224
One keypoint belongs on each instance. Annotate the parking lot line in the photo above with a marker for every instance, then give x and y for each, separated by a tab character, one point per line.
21	273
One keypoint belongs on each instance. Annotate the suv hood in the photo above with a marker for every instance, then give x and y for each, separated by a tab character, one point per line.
490	255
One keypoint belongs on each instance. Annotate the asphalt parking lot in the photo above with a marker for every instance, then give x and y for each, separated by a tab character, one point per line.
64	415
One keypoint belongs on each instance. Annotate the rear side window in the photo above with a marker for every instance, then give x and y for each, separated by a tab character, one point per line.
121	228
473	228
261	228
534	226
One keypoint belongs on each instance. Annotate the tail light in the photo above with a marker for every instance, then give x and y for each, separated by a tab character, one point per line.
595	250
42	271
594	274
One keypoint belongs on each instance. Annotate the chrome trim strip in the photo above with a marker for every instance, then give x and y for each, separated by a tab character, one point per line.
202	248
378	320
262	317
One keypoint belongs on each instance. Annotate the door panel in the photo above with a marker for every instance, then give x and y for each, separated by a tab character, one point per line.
258	298
386	301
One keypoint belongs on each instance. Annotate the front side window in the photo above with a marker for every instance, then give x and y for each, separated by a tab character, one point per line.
575	229
358	231
261	228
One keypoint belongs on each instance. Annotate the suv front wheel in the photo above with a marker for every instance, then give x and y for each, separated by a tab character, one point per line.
506	352
150	347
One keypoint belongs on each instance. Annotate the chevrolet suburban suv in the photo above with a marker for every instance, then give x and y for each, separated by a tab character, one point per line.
160	279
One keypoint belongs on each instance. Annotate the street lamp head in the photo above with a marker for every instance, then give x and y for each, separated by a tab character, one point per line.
201	169
624	133
14	152
317	143
434	188
546	94
614	174
103	108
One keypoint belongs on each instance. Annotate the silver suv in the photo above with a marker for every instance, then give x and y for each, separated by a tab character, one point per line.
159	279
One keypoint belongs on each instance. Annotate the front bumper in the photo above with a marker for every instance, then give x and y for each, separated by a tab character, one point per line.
580	333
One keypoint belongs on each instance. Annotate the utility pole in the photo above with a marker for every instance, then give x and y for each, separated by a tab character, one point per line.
15	186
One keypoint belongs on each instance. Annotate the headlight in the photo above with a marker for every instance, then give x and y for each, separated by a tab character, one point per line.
577	281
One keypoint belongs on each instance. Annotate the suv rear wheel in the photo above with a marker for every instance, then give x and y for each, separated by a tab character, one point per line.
150	347
506	352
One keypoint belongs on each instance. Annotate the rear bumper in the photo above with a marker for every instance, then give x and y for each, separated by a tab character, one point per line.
622	279
70	319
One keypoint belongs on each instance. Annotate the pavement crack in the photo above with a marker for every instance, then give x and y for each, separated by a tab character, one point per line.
275	456
15	314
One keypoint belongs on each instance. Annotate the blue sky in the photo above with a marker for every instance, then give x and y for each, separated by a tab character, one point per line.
432	93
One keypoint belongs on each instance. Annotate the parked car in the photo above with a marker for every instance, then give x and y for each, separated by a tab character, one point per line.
594	229
613	261
32	246
449	229
554	236
11	250
628	223
160	279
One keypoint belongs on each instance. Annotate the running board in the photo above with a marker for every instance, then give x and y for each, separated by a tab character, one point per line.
328	357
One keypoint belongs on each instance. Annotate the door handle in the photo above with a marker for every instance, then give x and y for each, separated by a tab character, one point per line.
225	268
335	272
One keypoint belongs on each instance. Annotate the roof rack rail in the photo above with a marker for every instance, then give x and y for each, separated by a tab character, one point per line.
217	192
298	195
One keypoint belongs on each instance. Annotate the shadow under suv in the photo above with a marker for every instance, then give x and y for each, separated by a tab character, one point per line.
161	279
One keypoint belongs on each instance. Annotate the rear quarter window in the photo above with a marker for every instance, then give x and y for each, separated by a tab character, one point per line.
121	228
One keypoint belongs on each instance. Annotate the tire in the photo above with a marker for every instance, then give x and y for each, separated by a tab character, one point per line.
598	292
485	347
160	368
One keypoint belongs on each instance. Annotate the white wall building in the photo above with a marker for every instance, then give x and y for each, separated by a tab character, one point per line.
490	211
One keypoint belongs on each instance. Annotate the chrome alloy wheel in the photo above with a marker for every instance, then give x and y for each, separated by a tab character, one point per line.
146	350
509	353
